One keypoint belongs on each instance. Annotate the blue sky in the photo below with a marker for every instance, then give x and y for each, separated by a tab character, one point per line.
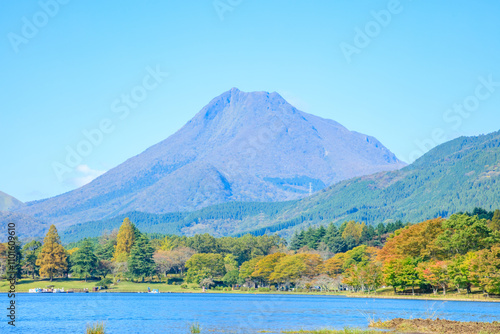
397	78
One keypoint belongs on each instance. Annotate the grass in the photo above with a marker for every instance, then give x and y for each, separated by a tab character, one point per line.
97	328
75	283
195	328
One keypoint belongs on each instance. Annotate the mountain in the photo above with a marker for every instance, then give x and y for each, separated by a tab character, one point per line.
26	227
456	176
245	147
7	202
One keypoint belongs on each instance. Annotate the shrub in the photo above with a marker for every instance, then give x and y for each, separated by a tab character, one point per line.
104	283
264	289
184	286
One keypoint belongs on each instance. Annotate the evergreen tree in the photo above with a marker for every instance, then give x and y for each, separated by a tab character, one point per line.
106	251
84	262
495	221
381	229
334	240
297	241
310	238
140	262
52	258
14	265
124	241
30	254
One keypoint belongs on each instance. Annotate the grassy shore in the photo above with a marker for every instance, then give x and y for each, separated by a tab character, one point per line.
128	286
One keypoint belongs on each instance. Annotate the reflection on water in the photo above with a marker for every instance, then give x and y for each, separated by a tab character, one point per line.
224	313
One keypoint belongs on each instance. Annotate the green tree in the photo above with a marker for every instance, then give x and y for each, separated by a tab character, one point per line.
140	262
52	258
203	243
458	272
247	269
14	267
333	239
297	241
463	233
206	265
106	251
30	254
231	277
84	262
495	221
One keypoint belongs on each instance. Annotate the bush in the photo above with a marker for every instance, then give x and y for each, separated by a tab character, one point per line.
104	283
184	286
272	288
243	288
264	289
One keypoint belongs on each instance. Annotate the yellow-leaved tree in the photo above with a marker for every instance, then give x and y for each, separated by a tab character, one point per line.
52	258
124	241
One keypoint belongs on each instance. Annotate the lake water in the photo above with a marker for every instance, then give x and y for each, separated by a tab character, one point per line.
222	313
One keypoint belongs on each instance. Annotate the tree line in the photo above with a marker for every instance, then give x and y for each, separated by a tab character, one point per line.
460	253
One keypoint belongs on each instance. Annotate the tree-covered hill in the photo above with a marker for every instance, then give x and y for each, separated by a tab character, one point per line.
456	176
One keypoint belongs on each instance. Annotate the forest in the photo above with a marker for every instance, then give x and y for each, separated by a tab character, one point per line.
461	253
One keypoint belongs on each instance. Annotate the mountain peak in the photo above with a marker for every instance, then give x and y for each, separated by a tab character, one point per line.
242	146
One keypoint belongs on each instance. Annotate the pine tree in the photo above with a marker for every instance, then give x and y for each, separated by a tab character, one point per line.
140	261
297	241
334	240
14	264
52	258
84	261
106	251
124	241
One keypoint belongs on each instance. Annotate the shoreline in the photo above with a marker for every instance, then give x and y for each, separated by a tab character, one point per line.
345	295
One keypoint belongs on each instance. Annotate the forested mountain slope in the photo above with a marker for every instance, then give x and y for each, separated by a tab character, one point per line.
456	176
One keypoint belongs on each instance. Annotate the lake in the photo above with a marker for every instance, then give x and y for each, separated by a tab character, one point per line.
222	313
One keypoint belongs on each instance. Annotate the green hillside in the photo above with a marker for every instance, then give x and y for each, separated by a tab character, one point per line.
456	176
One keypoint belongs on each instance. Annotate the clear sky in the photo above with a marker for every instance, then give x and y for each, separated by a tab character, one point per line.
389	69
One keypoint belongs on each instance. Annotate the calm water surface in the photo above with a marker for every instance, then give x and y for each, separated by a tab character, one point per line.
222	313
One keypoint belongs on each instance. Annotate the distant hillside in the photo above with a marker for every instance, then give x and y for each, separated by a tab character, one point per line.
8	202
26	227
241	147
456	176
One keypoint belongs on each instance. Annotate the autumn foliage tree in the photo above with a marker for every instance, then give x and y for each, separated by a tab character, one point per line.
52	258
124	241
